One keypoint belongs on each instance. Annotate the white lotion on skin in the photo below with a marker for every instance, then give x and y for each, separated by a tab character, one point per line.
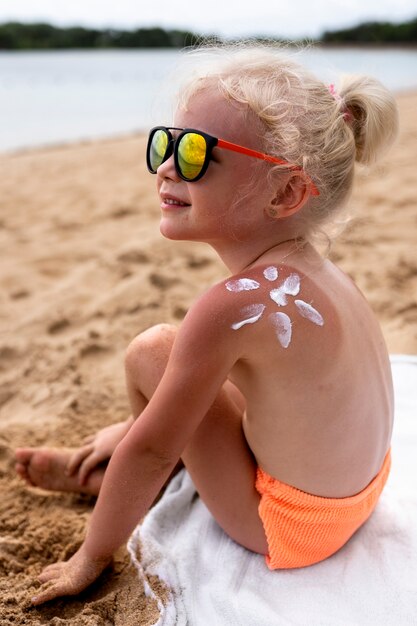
242	284
283	328
252	313
271	273
290	286
309	312
278	296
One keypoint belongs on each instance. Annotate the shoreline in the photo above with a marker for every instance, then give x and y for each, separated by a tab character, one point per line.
72	143
406	92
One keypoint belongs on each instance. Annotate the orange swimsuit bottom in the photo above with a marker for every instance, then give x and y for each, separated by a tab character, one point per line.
302	529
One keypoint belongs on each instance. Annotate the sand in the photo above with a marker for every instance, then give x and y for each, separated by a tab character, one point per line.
83	270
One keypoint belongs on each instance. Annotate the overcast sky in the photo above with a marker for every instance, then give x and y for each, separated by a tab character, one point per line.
292	18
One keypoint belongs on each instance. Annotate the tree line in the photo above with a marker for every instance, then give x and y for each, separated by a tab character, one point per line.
18	36
375	33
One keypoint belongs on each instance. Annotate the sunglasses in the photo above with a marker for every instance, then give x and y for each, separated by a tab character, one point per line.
192	151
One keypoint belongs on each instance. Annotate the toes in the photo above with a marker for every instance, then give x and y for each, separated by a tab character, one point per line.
21	470
32	459
24	455
32	464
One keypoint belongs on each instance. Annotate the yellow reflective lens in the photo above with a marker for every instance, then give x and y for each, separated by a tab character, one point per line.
191	155
158	149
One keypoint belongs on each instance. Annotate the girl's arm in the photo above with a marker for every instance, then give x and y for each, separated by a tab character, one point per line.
145	458
202	356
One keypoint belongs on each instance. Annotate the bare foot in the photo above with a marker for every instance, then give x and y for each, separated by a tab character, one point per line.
46	468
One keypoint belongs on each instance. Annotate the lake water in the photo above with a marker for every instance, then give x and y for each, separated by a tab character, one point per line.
50	97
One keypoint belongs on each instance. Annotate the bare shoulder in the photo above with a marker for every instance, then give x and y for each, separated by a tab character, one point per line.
207	328
264	303
296	304
215	312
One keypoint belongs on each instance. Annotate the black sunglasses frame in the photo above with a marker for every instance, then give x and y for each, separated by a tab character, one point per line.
172	147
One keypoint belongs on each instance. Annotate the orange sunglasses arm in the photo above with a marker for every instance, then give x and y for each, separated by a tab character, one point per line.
227	145
254	153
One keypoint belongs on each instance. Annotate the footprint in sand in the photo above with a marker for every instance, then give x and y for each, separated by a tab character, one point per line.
179	312
196	263
8	355
58	326
121	212
93	349
162	282
6	395
133	256
19	294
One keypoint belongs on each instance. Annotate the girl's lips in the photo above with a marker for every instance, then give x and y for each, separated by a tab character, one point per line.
168	201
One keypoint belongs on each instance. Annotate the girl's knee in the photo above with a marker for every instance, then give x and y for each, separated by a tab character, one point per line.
151	345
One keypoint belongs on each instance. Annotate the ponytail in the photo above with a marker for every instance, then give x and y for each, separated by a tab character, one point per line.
372	115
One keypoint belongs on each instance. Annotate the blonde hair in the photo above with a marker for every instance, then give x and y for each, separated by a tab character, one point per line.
323	130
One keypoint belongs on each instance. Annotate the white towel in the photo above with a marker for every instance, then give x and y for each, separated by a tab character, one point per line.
371	581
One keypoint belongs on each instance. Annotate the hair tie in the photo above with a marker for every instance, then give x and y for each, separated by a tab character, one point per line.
347	115
333	91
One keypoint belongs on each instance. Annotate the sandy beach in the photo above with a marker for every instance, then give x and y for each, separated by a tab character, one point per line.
83	270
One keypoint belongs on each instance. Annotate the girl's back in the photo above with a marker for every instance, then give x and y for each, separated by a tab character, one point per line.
319	396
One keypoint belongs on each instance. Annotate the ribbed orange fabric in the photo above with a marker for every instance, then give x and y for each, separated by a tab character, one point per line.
303	529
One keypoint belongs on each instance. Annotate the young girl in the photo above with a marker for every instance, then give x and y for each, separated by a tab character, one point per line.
276	390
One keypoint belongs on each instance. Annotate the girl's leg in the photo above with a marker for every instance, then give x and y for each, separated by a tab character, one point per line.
223	470
217	457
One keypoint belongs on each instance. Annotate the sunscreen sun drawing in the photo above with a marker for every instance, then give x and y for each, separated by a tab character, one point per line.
281	322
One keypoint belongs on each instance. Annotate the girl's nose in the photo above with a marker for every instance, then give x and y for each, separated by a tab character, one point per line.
167	170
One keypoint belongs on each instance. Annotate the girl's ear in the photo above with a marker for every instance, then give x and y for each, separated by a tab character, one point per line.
290	198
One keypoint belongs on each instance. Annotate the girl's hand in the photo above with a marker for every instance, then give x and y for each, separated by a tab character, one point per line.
69	578
96	449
